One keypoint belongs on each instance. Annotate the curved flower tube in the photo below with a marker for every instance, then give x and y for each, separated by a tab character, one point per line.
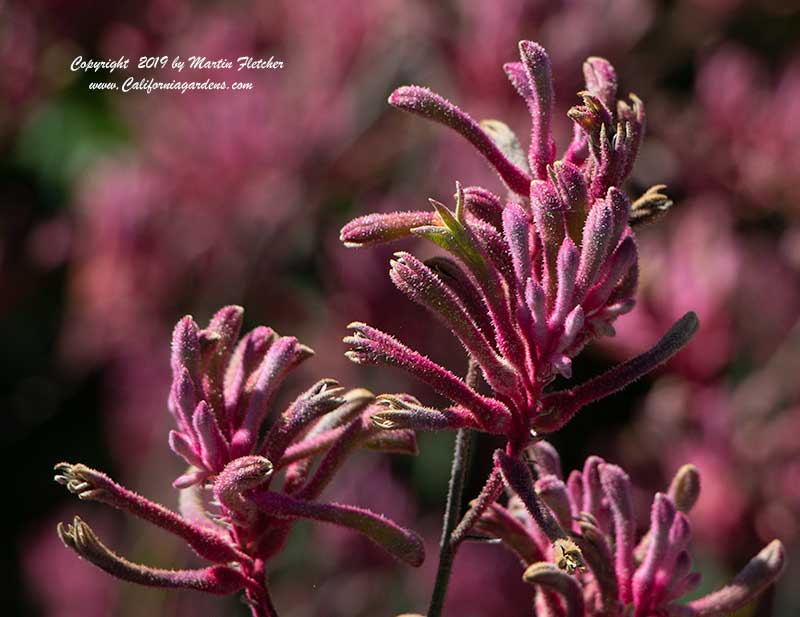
247	480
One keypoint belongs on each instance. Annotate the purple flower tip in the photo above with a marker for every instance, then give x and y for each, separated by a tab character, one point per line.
221	397
664	572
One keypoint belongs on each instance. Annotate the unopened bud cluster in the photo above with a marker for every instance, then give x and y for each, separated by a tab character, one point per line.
250	473
530	279
578	542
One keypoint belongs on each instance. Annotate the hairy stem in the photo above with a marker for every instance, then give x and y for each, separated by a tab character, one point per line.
489	493
259	599
261	606
452	512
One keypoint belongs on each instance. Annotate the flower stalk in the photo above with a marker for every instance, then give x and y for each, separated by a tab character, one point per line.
452	513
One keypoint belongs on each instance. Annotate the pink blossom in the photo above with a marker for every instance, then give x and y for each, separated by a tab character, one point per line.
577	539
535	279
230	514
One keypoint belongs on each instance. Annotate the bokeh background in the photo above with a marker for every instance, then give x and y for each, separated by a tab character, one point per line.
120	213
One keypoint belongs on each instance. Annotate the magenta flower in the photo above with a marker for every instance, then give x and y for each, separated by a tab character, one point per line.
247	480
577	539
533	280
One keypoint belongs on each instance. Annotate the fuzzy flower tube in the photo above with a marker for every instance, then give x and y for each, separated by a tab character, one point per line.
531	279
249	476
577	540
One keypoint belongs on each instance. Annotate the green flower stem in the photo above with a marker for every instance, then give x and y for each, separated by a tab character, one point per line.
452	513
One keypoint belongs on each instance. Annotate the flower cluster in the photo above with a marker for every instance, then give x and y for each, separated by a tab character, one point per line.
533	279
247	479
577	540
530	280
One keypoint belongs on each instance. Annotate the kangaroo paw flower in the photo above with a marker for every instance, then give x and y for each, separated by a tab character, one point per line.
555	579
428	104
756	576
403	544
219	580
221	398
621	582
536	279
558	408
92	485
